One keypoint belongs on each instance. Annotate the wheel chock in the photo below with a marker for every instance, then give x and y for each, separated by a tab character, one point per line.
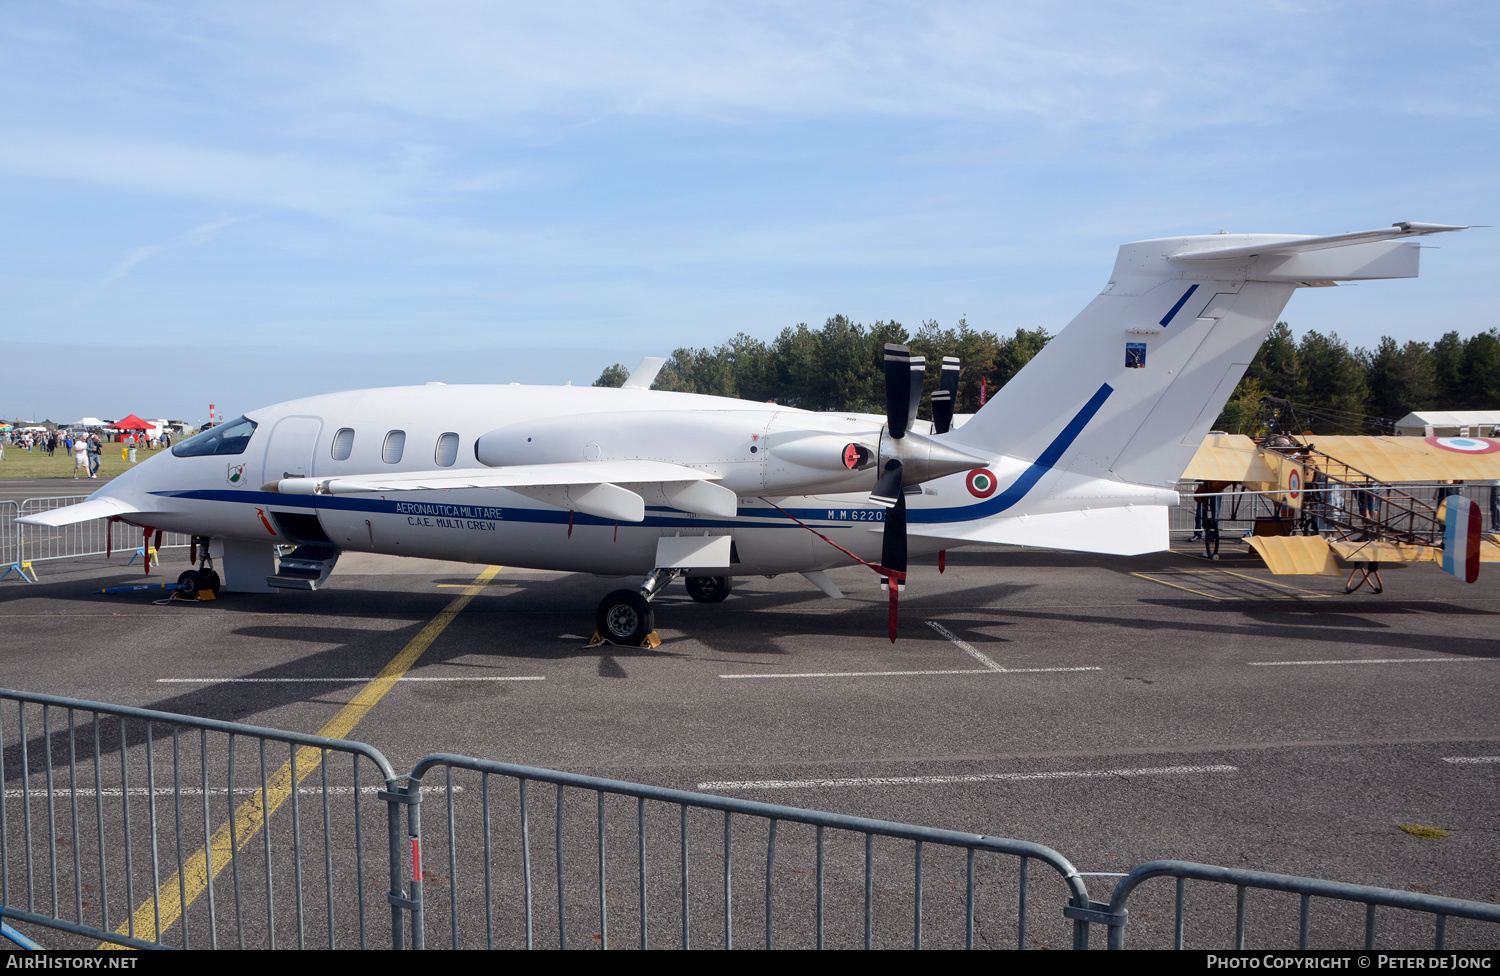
206	595
651	641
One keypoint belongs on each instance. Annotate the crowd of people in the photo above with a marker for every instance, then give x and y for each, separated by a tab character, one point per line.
85	447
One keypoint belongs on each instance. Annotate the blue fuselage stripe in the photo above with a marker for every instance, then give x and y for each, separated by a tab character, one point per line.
1178	307
1028	479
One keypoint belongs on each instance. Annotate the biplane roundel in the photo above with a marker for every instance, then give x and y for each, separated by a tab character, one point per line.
1465	445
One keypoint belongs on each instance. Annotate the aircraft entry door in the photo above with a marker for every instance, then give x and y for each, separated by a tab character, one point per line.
290	451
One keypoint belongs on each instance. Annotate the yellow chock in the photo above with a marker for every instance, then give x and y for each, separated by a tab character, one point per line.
597	639
651	641
206	595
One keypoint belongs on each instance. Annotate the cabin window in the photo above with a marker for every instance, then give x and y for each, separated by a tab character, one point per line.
447	450
343	443
227	438
395	444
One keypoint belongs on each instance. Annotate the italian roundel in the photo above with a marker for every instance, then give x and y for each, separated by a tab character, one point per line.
981	483
1465	445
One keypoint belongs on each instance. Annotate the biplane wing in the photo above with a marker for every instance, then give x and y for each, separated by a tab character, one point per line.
1390	460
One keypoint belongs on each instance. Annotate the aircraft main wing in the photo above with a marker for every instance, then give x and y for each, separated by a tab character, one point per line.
593	487
1399	459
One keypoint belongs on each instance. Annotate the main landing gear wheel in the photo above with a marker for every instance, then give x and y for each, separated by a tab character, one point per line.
708	589
624	617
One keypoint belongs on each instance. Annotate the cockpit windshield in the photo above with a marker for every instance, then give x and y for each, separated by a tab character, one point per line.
227	438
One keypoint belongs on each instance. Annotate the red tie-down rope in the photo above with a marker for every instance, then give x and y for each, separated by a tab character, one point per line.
893	578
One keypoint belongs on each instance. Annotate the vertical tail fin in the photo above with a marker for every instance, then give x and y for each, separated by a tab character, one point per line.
1127	391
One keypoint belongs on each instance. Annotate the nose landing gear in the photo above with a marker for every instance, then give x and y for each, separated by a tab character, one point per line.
201	583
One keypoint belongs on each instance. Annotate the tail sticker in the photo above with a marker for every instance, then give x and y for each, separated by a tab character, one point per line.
1178	307
982	483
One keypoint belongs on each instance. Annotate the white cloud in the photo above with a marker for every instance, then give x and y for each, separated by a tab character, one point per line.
201	234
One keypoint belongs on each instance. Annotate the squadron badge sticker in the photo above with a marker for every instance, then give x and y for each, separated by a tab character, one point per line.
236	474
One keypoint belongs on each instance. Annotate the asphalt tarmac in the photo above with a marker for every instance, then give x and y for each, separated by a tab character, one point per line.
1117	710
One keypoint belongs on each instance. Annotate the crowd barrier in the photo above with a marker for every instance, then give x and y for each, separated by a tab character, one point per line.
30	544
124	826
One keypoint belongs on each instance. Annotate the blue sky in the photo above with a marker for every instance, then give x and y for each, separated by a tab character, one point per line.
241	203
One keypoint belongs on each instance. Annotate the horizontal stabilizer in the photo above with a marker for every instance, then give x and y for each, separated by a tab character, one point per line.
1294	244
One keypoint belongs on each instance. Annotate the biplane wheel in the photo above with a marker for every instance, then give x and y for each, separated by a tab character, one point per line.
708	589
624	617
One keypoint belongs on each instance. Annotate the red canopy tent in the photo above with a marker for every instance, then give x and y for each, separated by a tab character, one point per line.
131	422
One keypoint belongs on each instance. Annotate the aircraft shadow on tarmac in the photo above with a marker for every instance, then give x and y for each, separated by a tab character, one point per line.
1279	633
530	633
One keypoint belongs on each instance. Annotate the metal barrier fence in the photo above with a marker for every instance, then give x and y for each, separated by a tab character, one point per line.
98	845
1181	517
9	547
100	839
1439	909
95	537
686	861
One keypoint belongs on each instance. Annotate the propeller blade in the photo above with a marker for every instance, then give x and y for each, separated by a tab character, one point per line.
887	493
918	368
893	540
945	397
898	408
893	558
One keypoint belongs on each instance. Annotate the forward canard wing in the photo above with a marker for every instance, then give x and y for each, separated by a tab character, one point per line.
615	489
98	507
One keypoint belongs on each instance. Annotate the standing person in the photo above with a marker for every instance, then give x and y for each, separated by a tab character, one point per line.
96	455
80	457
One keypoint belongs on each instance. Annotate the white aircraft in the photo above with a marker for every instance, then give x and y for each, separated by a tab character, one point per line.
1082	450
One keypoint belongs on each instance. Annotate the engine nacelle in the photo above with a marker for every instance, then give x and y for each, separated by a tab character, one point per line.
753	452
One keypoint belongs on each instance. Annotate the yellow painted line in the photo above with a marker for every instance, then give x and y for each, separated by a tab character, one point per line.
465	586
1188	588
1294	589
253	813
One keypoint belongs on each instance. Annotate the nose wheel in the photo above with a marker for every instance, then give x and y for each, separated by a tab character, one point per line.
203	579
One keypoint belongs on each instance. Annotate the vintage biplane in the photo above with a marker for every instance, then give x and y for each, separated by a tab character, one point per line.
1330	505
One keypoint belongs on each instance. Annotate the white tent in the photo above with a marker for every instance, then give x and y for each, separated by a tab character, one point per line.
87	422
1450	423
